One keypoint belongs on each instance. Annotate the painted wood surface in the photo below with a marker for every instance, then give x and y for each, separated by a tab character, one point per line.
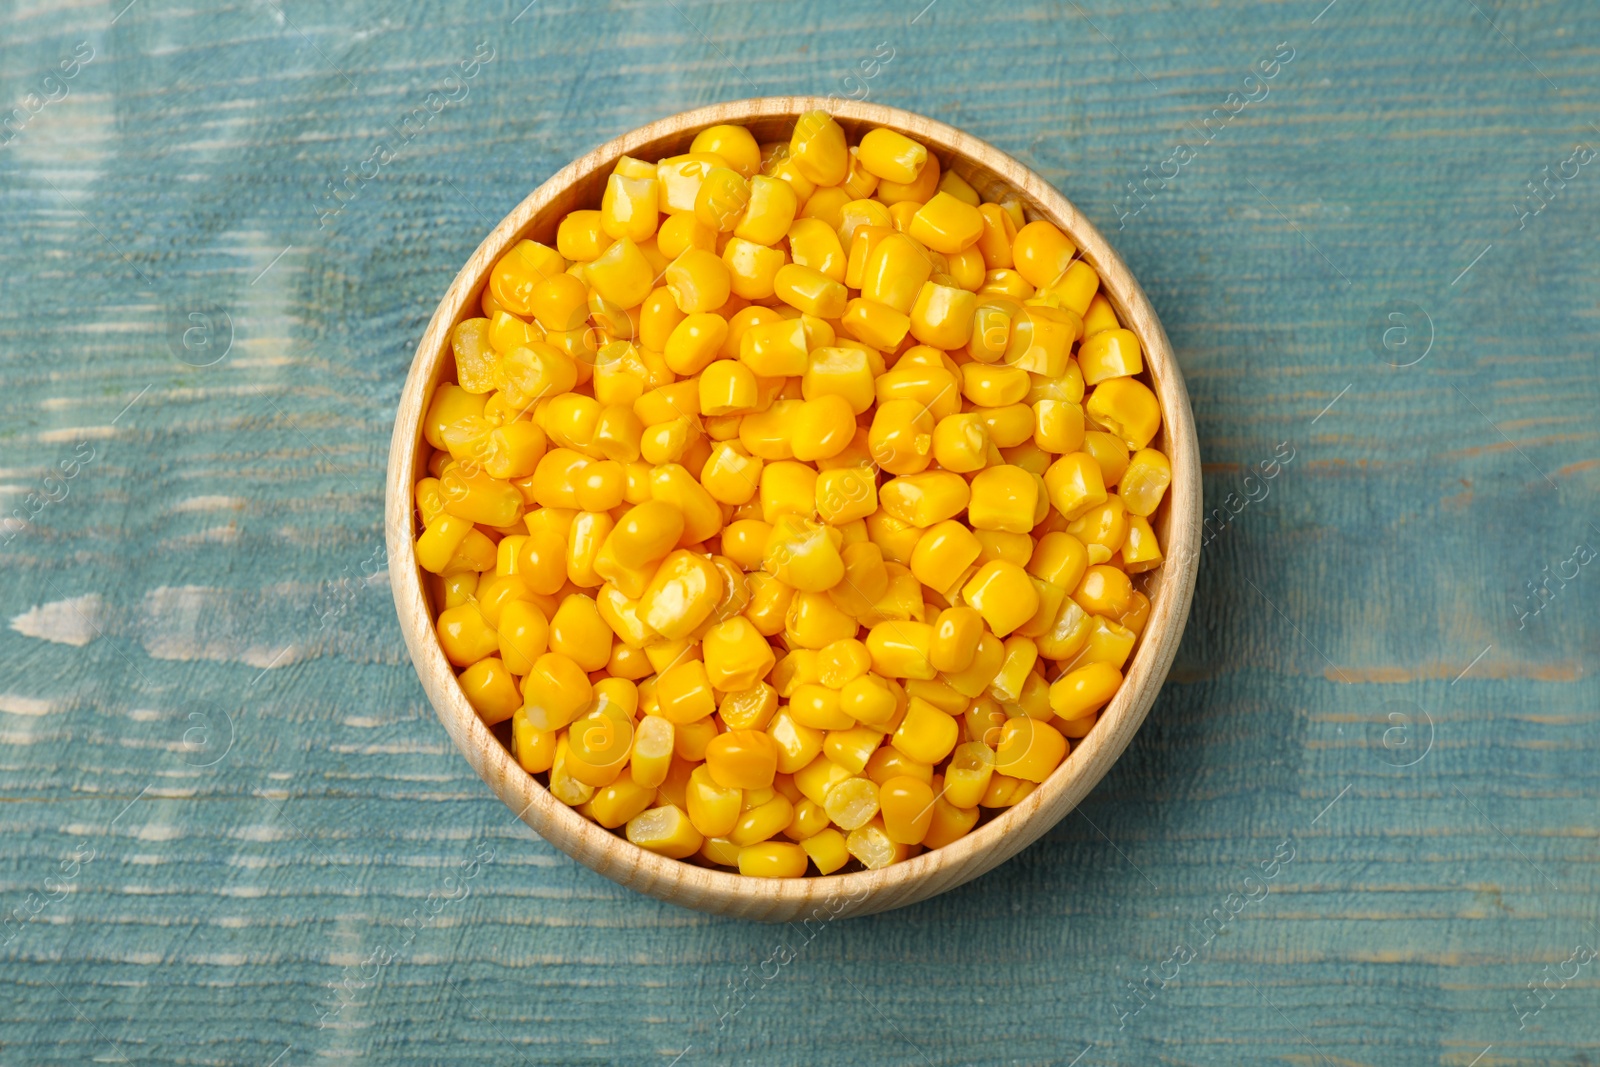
1359	826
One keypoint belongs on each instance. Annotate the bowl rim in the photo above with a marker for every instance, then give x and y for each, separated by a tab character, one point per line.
934	870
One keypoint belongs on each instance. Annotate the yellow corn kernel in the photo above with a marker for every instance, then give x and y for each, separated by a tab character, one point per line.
943	553
851	748
872	845
900	649
948	823
1015	669
891	156
1076	287
1140	551
917	191
1099	316
616	803
775	349
1075	484
787	487
770	211
818	148
926	734
991	330
731	475
721	200
1108	642
901	437
555	692
1137	615
773	859
666	830
822	428
1058	425
845	494
702	517
960	443
801	554
622	274
938	694
852	803
479	497
437	544
652	752
761	821
826	205
683	692
578	632
1060	559
1104	524
769	603
868	699
809	818
945	224
585	538
926	498
736	655
966	270
560	303
1041	340
666	442
1042	253
734	144
902	601
563	785
797	745
956	634
743	759
465	635
519	271
957	186
935	387
752	268
523	636
682	595
1003	595
681	178
875	324
844	372
699	281
827	850
999	234
814	621
841	662
889	762
865	581
1080	692
860	214
810	291
818	777
645	533
598	746
943	316
907	808
580	237
1110	454
1103	590
1109	354
1029	749
695	341
535	749
628	207
490	689
690	739
1005	791
749	709
745	542
894	273
677	235
967	778
993	386
815	245
1007	427
1144	482
617	434
621	613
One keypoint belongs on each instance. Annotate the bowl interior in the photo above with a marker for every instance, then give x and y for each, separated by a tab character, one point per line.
1169	587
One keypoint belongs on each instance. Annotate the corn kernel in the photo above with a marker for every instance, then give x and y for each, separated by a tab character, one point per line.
926	498
907	807
926	734
1127	408
1003	595
699	281
892	156
818	148
1076	288
875	324
917	191
628	208
682	594
946	224
1075	484
1104	590
1080	692
1144	482
621	274
736	655
815	244
900	649
1109	354
827	849
945	550
490	689
822	428
752	268
960	443
801	555
665	830
1140	551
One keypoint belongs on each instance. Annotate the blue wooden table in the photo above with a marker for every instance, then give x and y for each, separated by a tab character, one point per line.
1360	826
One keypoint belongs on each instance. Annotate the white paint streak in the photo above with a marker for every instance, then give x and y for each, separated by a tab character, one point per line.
16	704
63	622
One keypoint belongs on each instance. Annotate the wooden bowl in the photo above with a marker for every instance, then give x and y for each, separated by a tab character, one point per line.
1177	523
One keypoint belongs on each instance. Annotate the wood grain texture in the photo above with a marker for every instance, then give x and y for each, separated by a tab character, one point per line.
201	683
1177	522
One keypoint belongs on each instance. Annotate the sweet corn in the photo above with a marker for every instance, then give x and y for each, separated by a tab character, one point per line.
657	537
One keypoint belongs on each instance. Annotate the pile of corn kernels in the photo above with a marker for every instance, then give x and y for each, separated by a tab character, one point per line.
789	507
